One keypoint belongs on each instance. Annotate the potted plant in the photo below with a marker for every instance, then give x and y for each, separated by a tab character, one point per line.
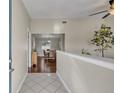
103	39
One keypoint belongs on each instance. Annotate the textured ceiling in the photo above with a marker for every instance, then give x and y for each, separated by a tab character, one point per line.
52	9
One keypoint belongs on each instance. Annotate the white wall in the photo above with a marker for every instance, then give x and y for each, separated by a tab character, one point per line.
20	23
84	74
78	32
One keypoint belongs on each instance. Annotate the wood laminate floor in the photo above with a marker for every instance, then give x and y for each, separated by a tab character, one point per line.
44	66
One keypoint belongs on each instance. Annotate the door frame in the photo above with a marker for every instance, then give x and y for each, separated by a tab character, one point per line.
30	44
10	46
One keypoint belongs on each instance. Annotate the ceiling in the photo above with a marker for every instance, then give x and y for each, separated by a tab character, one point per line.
54	9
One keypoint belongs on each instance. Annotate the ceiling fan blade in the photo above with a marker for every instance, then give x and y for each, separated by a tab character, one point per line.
111	2
99	12
106	15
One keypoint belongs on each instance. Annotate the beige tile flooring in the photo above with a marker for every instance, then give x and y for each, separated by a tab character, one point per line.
42	83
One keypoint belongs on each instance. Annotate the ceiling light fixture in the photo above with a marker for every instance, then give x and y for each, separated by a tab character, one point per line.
64	22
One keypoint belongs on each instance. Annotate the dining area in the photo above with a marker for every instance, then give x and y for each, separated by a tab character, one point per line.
49	54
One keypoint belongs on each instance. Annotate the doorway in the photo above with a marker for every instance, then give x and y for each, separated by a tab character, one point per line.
43	52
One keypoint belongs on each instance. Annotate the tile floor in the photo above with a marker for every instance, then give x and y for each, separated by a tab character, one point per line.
42	83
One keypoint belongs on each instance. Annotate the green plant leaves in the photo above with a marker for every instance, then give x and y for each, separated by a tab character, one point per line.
103	38
85	52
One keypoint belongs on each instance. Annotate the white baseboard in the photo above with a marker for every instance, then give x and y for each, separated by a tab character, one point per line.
20	85
63	82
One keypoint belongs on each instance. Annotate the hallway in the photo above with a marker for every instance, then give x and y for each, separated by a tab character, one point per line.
41	26
42	83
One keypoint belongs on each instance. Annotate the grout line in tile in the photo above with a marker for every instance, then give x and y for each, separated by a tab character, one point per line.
45	87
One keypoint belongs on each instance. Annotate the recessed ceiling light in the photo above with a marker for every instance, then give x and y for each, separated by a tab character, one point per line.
49	41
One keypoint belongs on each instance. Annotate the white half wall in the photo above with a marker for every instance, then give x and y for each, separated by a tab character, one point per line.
20	25
78	32
81	74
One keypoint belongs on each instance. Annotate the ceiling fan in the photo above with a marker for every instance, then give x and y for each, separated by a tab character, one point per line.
109	11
